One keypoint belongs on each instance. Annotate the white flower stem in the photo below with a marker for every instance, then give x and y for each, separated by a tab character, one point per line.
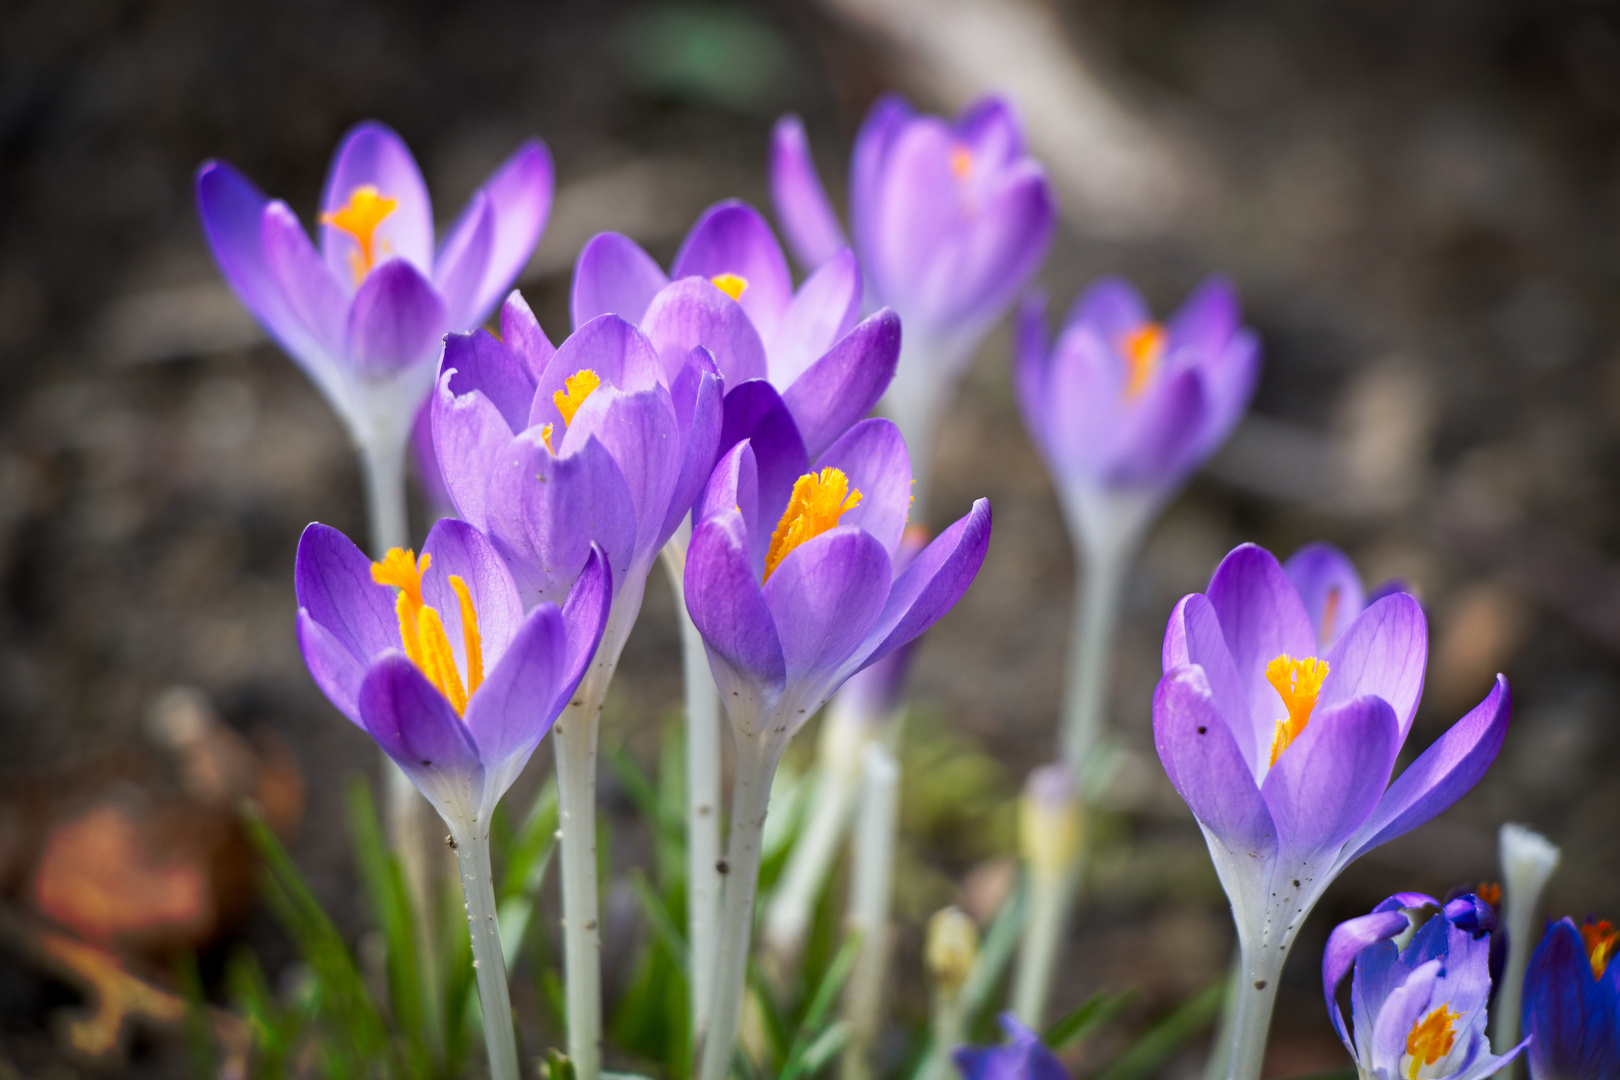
871	890
407	814
575	735
1091	649
1256	995
1050	899
703	754
1528	860
751	796
477	883
832	806
1220	1047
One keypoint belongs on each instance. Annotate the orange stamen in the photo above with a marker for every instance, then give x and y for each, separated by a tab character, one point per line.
577	387
1431	1039
1600	938
814	507
421	629
359	217
1330	612
1298	682
961	162
1490	892
730	284
1142	348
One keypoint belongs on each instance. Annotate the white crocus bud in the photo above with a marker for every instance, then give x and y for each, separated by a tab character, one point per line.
1528	860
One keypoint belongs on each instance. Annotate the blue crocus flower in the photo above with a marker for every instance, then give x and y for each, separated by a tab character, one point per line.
1024	1058
1422	983
1572	1003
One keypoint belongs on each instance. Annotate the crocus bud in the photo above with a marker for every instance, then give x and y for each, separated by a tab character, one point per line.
951	948
1049	821
1528	860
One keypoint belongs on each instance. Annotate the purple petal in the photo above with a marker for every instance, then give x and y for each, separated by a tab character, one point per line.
1207	320
884	122
639	432
723	597
991	131
613	276
1229	382
457	548
1570	1016
846	383
1206	766
873	455
1083	394
477	363
733	487
754	411
333	666
985	267
1112	307
732	238
1193	636
519	194
517	704
459	272
824	597
521	332
232	211
1030	369
304	281
1329	587
698	397
585	614
1324	786
1441	775
934	582
332	582
822	312
1383	652
1156	441
371	153
397	320
1261	618
469	437
802	207
1344	944
544	512
415	725
693	312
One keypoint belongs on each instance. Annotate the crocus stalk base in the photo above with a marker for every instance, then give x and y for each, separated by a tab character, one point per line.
575	741
703	752
757	759
871	893
477	883
1256	996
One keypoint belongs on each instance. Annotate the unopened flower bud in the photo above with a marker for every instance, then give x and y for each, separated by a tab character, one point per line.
951	948
1049	821
1528	860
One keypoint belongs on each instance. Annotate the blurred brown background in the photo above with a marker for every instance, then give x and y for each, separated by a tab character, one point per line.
1420	202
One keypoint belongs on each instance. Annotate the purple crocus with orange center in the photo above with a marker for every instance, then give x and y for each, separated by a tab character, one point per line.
730	291
435	658
1572	1003
365	312
1422	984
793	588
1283	749
950	220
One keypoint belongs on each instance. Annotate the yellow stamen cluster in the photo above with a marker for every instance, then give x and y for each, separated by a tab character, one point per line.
576	388
421	630
359	217
1298	682
817	502
1600	938
1142	348
1431	1039
730	284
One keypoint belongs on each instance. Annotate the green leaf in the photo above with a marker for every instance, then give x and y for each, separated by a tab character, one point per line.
1159	1044
810	1030
199	1030
1000	941
1090	1015
827	1044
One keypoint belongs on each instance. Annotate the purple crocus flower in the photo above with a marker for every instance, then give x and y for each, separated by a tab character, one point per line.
729	290
1572	1003
950	221
1025	1057
365	313
792	586
436	660
1123	407
553	449
1421	988
1283	750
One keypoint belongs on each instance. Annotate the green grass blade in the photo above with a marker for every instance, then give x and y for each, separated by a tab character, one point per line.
1000	941
1154	1049
1090	1015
